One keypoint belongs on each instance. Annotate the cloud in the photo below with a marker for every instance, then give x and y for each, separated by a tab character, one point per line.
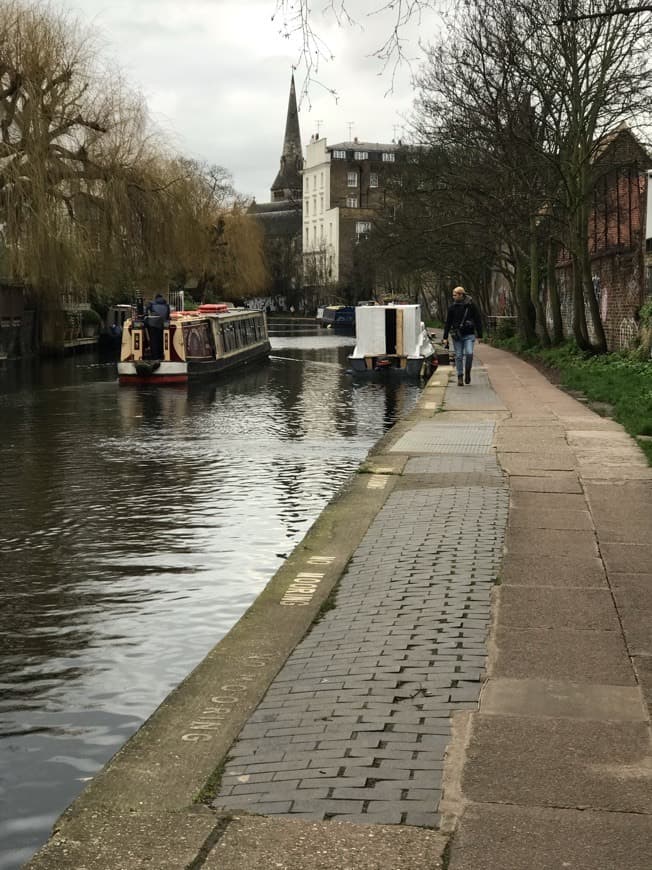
216	76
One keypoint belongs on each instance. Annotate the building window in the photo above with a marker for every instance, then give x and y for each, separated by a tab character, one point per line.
307	208
352	202
321	202
360	155
330	232
321	179
321	231
314	206
362	227
373	179
314	181
351	179
314	236
307	236
339	155
388	156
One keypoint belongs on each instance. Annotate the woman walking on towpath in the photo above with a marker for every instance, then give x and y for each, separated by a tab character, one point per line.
463	324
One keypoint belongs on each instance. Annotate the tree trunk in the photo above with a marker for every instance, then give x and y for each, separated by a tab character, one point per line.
583	286
540	324
579	315
600	345
524	307
553	292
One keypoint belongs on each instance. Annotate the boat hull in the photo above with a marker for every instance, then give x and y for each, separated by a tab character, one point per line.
182	372
413	368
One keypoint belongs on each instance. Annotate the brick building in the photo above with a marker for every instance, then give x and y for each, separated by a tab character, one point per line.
621	265
344	187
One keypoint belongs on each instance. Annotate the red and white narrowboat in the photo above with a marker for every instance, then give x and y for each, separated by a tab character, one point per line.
194	343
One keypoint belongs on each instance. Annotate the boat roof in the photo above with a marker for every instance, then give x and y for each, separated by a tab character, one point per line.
199	315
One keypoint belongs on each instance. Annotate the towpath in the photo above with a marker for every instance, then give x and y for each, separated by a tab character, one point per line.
474	693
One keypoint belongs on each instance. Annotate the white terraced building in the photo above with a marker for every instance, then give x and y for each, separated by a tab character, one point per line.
343	190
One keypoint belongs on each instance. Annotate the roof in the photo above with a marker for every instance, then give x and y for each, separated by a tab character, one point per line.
606	141
367	146
278	219
282	205
288	177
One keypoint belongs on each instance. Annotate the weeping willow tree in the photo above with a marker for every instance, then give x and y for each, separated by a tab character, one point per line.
89	196
48	120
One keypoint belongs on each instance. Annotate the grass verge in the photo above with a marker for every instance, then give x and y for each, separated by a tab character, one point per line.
619	380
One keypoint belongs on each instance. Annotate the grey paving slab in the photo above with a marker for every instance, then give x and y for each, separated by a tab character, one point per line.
628	501
435	436
452	463
637	627
127	840
643	667
416	595
256	843
553	501
519	464
552	482
529	442
563	654
570	570
557	699
559	762
524	838
529	607
549	518
477	396
579	544
627	558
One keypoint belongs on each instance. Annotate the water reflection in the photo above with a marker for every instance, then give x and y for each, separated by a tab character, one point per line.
137	526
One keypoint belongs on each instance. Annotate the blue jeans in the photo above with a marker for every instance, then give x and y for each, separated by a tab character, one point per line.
464	348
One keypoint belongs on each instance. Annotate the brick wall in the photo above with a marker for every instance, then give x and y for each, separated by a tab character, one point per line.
616	242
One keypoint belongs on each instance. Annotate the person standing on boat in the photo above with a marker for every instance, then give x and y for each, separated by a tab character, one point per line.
463	324
157	315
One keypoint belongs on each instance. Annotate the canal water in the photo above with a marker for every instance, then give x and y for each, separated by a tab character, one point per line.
136	526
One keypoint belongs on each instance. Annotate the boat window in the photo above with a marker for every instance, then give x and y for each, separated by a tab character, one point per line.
229	337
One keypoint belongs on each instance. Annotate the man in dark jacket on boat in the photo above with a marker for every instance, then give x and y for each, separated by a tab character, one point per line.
463	324
157	315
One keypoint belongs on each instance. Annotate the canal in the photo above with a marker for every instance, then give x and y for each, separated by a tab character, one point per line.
136	526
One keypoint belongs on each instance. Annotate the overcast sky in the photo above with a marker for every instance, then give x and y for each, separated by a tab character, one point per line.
216	76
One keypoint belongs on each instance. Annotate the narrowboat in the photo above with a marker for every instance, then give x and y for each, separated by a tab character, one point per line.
392	339
339	318
194	343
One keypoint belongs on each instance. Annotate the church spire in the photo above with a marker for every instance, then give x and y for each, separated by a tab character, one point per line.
287	184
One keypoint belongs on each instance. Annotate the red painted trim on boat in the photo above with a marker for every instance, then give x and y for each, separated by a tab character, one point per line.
153	379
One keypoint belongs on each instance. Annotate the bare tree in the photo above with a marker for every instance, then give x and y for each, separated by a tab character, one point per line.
296	21
591	75
525	108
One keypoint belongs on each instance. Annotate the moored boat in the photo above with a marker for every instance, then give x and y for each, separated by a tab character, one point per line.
391	339
339	318
194	343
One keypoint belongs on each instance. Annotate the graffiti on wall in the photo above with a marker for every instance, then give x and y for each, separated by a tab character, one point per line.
627	333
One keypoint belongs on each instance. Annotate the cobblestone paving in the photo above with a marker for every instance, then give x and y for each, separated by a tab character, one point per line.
356	724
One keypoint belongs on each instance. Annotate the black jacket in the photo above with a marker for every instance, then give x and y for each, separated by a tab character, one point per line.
465	316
